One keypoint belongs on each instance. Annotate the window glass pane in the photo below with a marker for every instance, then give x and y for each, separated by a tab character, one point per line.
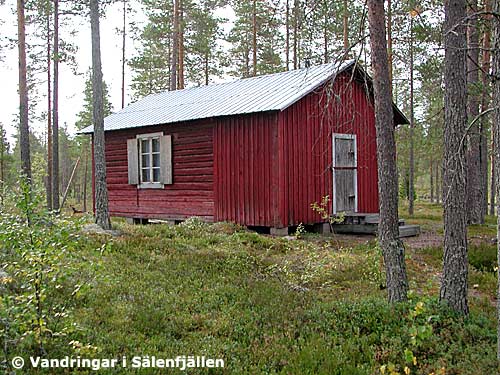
156	175
145	146
156	144
156	160
146	175
145	160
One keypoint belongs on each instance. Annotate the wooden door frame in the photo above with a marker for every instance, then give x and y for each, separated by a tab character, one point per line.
334	192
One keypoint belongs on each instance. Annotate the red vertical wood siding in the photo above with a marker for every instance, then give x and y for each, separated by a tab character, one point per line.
305	155
246	169
191	193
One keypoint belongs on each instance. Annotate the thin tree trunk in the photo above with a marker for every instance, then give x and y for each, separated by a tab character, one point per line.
431	164
455	268
494	173
496	130
325	34
101	191
346	26
207	75
175	48
392	247
295	33
85	177
389	40
124	39
2	164
181	45
439	188
55	113
287	35
254	38
485	103
474	183
411	177
24	131
49	113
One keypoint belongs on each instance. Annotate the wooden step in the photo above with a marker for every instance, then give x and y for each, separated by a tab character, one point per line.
409	231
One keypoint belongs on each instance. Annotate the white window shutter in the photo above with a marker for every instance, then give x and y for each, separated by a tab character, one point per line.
133	162
166	159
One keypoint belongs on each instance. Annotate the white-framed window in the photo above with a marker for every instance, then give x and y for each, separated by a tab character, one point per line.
150	160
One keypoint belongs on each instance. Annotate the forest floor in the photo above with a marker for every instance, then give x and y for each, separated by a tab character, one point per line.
269	305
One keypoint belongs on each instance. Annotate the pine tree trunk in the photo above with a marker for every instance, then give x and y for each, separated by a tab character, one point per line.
454	279
254	38
496	130
287	35
24	131
181	45
175	48
485	103
411	176
432	180
49	114
346	26
295	34
474	183
124	39
55	113
392	247
85	177
101	191
439	182
389	39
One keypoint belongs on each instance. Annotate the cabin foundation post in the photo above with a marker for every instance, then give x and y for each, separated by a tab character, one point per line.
278	231
322	228
136	220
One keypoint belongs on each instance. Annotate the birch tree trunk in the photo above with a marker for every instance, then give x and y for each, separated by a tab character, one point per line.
392	247
24	131
454	279
101	191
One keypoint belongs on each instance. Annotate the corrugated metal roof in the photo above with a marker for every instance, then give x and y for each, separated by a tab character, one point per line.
273	92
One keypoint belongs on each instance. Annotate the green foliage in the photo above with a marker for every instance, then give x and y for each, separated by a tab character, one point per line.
483	257
85	116
39	282
269	39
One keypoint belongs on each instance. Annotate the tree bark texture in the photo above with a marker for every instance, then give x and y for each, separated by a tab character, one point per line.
495	64
175	48
346	25
474	182
181	46
24	131
55	113
254	38
49	115
287	35
454	279
411	177
124	39
101	191
392	247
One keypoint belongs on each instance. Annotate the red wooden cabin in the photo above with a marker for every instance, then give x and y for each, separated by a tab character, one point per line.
256	151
